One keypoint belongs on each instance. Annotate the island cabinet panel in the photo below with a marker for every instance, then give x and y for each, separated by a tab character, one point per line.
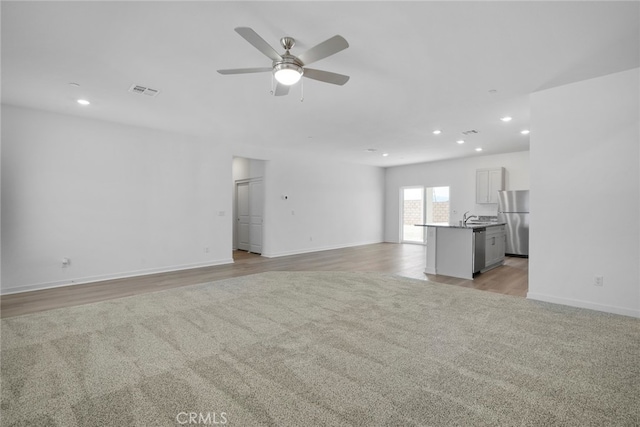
494	246
454	252
432	233
488	183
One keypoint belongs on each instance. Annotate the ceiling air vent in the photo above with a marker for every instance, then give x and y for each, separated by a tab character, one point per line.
470	132
142	90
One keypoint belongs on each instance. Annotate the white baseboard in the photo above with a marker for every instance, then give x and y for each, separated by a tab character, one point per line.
92	279
584	304
319	249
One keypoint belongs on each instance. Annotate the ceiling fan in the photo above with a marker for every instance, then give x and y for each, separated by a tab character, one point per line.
287	68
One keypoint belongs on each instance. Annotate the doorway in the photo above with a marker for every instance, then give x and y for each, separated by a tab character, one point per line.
413	209
249	215
421	205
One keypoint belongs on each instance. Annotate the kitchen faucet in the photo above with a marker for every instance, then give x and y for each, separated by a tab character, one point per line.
466	218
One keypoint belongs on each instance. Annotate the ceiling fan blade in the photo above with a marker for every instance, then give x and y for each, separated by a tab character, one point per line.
281	90
327	48
325	76
246	70
258	42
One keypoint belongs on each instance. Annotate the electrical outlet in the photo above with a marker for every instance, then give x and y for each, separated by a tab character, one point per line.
598	281
66	262
206	250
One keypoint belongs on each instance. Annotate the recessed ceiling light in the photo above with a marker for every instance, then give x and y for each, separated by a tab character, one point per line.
478	149
460	141
385	154
74	84
370	150
437	132
505	119
83	102
525	132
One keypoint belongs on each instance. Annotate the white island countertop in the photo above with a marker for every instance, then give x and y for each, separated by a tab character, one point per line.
470	225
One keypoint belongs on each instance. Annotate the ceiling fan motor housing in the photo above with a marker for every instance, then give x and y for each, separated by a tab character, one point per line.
287	43
288	62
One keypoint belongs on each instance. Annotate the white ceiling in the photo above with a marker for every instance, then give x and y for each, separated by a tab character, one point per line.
414	67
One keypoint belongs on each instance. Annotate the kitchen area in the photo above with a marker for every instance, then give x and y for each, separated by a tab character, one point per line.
476	244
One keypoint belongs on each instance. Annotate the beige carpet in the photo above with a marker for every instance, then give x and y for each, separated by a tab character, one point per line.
316	349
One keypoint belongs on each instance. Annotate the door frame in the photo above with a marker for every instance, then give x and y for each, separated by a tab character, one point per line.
236	229
401	196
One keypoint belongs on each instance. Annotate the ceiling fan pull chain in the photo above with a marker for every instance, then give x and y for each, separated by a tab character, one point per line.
301	90
272	88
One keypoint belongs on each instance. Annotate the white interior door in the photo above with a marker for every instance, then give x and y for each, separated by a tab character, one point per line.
249	210
243	215
255	220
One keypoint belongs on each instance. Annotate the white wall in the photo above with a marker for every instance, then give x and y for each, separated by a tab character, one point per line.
117	200
329	205
460	176
121	201
244	168
585	192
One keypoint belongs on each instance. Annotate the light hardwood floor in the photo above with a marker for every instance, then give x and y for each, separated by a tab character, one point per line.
401	259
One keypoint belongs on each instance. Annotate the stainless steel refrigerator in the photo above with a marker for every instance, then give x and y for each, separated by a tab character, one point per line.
513	209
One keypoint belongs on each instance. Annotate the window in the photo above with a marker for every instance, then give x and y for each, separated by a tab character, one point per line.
437	204
420	205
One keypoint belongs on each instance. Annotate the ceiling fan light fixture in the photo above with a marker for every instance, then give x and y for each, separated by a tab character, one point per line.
287	74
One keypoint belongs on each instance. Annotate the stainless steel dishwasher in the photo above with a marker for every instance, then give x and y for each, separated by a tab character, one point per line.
479	237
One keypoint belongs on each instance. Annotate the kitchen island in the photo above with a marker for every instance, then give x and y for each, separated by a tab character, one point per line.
464	250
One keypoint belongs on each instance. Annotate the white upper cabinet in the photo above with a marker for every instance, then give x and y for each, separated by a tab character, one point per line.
488	183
